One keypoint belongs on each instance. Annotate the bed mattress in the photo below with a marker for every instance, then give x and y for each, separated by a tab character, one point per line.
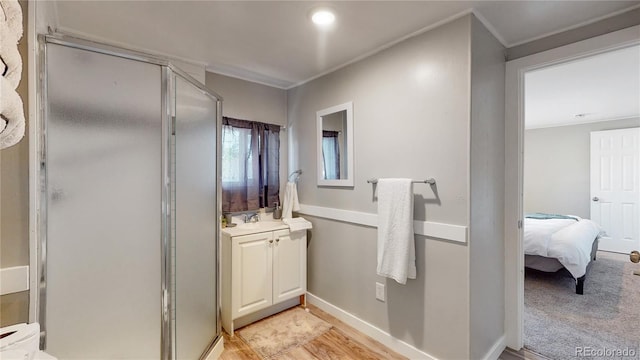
569	241
547	264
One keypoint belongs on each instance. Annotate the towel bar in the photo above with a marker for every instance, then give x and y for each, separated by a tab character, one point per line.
430	181
297	172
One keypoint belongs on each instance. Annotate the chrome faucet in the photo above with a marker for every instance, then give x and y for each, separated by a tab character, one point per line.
251	218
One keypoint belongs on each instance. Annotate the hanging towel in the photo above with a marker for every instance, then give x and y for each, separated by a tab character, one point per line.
11	14
10	60
10	34
396	243
12	115
12	122
297	224
291	203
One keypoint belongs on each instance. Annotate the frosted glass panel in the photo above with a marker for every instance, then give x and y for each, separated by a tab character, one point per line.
196	229
103	206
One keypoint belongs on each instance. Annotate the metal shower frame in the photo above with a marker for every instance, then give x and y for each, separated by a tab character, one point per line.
167	94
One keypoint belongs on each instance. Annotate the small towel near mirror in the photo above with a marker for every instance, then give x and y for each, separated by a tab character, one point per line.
290	203
298	223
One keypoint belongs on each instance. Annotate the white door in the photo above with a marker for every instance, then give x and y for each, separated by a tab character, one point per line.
289	264
251	273
615	183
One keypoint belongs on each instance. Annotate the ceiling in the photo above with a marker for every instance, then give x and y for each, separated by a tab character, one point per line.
275	43
596	88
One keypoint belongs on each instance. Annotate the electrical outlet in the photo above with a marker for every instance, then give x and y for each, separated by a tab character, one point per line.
380	291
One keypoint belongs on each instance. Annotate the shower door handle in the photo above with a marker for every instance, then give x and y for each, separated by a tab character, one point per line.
56	194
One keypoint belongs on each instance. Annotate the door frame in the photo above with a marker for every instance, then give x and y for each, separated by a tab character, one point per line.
514	162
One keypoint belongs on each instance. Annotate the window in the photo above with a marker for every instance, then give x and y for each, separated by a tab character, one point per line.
331	155
250	165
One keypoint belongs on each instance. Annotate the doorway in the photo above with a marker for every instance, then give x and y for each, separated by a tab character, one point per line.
514	169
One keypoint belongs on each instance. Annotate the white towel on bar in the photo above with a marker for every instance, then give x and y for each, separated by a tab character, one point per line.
298	223
396	242
290	203
12	113
11	13
10	34
12	121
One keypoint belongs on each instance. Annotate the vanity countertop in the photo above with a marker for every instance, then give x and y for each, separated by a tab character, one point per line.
254	228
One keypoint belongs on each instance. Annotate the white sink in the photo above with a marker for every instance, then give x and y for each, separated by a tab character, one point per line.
256	227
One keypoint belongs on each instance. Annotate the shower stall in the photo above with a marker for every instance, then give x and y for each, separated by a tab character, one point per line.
129	207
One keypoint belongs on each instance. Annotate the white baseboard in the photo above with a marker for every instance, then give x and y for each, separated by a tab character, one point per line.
364	327
14	279
496	350
216	350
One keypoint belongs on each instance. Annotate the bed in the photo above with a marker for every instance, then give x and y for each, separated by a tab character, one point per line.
553	242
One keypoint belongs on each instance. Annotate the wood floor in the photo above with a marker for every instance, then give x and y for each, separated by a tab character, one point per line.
523	354
341	342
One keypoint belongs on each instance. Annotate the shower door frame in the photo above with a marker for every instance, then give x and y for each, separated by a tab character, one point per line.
39	175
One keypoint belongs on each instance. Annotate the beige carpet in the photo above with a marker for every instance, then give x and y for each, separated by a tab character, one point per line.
559	324
287	330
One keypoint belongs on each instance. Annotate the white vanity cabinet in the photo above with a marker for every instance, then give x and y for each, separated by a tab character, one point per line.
260	270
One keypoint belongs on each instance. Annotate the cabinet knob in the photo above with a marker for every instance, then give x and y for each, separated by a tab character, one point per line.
271	241
278	240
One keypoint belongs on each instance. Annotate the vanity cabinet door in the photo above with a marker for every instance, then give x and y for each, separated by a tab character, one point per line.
289	264
251	273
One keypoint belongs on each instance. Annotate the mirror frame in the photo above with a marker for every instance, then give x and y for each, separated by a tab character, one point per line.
349	181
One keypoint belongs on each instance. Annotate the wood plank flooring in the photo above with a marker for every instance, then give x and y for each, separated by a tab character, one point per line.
341	342
523	354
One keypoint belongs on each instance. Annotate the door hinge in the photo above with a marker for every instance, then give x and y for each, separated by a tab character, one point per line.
173	125
519	224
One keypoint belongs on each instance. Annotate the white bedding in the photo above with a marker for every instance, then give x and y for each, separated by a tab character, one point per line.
567	240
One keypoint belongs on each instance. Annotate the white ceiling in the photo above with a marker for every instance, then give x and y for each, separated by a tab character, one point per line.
273	42
602	87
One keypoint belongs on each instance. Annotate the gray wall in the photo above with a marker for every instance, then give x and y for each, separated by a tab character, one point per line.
556	167
256	102
486	263
601	27
411	119
14	204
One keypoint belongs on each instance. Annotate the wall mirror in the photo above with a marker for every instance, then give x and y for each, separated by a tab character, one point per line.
335	145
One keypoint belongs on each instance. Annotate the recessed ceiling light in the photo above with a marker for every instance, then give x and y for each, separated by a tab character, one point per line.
323	17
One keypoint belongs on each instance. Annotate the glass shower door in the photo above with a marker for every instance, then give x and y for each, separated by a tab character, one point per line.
101	299
128	225
196	230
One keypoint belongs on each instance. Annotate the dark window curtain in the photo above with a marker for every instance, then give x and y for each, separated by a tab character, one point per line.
250	165
331	154
270	165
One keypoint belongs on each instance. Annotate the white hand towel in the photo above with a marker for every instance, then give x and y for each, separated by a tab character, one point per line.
298	223
290	203
396	242
12	112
